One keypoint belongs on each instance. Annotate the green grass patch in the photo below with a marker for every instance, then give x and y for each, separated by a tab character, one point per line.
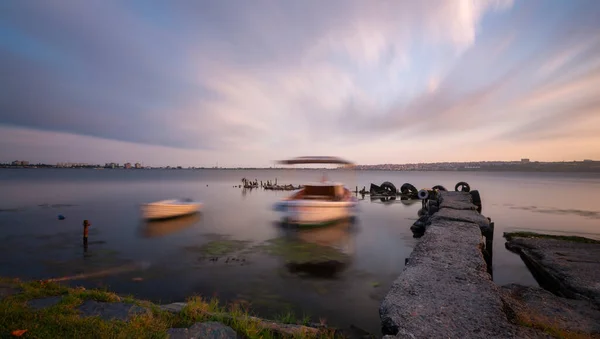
64	321
512	235
302	252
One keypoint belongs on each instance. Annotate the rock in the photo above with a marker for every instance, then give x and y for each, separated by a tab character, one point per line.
7	290
536	306
472	216
108	311
445	290
178	333
353	333
567	268
42	303
211	330
173	307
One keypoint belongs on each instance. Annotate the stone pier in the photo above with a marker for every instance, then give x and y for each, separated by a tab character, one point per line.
445	290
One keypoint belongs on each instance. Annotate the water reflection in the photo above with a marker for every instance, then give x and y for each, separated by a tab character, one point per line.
408	202
161	228
317	252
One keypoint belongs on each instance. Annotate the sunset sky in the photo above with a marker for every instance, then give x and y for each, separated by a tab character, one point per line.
243	83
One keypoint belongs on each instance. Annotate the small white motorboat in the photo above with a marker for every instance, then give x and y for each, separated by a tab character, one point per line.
318	203
172	208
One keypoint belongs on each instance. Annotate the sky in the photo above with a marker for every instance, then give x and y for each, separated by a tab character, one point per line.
245	83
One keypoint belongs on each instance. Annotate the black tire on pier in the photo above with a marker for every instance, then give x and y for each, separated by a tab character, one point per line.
464	187
432	207
476	199
408	189
389	188
439	188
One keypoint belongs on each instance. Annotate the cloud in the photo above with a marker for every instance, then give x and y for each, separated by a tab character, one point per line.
295	76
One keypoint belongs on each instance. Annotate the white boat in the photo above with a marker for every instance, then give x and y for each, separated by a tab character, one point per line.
318	203
170	208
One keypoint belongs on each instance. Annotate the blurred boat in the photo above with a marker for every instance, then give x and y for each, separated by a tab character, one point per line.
161	228
318	203
172	208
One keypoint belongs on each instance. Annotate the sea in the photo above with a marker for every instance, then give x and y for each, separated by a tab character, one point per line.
232	249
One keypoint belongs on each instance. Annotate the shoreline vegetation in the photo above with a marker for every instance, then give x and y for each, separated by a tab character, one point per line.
39	309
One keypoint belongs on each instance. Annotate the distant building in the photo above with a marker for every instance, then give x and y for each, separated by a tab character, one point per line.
20	163
138	165
127	165
588	160
525	160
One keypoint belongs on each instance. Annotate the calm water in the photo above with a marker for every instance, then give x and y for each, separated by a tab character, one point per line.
35	244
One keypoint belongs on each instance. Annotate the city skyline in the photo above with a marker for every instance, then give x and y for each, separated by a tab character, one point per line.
400	166
245	84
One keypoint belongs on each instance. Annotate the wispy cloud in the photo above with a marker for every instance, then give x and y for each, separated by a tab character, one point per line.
276	77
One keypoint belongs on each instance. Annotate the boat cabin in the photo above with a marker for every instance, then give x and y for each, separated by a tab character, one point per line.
321	191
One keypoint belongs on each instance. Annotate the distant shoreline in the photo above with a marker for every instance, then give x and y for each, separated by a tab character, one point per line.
544	169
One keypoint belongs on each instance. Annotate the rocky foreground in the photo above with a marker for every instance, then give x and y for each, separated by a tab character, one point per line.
50	310
445	290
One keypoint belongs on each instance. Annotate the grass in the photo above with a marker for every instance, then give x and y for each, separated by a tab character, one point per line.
63	321
511	235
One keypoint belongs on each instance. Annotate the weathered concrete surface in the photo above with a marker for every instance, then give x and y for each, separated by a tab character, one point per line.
108	311
445	290
450	214
567	268
456	201
41	303
538	307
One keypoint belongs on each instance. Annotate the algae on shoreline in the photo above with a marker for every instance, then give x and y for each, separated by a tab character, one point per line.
294	251
525	234
219	247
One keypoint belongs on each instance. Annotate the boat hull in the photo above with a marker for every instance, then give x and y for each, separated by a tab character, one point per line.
156	211
315	213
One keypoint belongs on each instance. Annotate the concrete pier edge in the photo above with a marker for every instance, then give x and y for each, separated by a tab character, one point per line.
445	289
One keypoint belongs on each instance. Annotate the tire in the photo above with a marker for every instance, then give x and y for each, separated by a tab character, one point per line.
423	194
389	187
408	189
464	187
476	199
439	188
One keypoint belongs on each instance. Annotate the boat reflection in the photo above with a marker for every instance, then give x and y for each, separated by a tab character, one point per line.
161	228
318	252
